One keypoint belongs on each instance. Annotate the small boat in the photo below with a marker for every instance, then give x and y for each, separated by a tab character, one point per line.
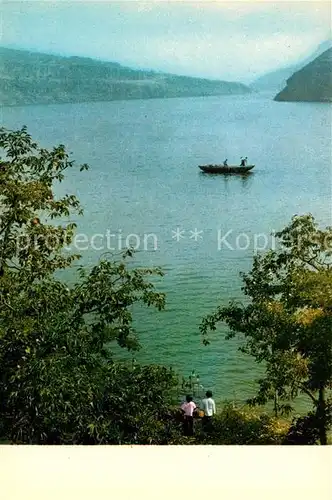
230	169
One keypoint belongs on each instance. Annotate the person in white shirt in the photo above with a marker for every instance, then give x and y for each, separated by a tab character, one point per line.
188	408
209	407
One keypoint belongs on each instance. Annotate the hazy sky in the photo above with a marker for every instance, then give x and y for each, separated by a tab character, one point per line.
226	40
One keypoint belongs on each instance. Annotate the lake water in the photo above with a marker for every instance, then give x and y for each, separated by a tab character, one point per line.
144	181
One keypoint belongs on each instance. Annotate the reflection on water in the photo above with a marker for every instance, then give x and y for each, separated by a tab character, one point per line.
243	179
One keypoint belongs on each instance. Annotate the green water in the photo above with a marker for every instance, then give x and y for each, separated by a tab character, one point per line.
144	180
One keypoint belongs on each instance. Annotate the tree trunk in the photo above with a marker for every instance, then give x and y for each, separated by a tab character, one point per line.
321	414
275	404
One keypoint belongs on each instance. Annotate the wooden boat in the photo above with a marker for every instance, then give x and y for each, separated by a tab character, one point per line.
230	169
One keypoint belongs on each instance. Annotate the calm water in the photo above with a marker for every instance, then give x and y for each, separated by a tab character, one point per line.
144	180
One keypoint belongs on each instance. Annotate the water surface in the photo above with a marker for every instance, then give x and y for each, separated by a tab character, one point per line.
144	180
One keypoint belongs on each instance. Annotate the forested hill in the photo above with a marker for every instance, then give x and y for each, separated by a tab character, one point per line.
276	80
35	78
311	83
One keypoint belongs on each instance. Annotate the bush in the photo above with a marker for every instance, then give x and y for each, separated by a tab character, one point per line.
111	404
239	426
304	431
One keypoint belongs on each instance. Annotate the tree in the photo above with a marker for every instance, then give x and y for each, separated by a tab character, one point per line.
59	382
286	322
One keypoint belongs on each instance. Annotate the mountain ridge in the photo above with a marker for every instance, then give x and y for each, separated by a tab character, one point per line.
312	83
276	80
38	78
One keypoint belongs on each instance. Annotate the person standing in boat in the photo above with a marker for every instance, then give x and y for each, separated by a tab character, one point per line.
226	163
243	161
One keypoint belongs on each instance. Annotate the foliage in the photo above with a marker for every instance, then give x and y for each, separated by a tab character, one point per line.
242	426
67	402
303	431
287	322
58	381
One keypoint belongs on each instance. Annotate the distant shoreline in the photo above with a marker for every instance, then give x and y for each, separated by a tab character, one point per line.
53	103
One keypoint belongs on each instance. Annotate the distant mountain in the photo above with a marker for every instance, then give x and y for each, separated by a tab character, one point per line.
273	81
276	80
34	78
312	83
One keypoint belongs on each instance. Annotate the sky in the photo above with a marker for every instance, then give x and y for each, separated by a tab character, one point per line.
234	40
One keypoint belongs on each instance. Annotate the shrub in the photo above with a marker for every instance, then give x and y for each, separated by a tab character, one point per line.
235	425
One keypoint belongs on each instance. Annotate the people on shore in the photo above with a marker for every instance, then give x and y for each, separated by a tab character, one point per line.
209	407
188	408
